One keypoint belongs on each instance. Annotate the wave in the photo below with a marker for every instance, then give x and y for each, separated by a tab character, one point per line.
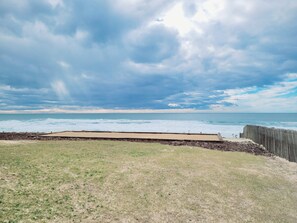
53	125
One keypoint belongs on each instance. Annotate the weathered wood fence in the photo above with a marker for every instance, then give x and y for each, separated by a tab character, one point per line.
280	142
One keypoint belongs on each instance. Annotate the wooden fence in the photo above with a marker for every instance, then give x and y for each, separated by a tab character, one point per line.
280	142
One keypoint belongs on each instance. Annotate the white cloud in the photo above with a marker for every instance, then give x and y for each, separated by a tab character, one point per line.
85	76
173	105
81	35
9	88
60	89
56	3
291	76
207	11
175	18
140	9
63	64
279	97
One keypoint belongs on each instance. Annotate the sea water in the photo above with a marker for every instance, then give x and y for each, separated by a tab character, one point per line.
228	124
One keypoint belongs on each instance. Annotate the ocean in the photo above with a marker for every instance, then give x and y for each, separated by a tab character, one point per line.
227	124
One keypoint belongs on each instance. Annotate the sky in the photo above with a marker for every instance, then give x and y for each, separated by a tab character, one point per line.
183	55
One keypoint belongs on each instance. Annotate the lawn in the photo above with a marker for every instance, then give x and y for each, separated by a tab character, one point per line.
107	181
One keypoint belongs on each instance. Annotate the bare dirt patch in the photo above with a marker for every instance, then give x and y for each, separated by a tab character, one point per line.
15	142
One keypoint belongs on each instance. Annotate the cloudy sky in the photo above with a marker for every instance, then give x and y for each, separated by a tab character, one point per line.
218	55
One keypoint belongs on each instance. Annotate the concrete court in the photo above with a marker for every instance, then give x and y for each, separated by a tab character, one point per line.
138	135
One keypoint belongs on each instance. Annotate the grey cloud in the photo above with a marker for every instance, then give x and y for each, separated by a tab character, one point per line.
104	21
154	45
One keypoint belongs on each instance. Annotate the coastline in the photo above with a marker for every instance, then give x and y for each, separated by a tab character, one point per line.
228	125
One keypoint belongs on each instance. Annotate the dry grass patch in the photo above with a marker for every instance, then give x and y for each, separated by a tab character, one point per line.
105	181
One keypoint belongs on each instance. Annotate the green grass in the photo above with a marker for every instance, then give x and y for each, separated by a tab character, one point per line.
105	181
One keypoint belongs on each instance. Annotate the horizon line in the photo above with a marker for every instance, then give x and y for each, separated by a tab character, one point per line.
131	111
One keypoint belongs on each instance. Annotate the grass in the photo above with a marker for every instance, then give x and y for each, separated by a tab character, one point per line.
106	181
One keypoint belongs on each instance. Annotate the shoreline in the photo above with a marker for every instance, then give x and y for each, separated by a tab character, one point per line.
227	124
225	145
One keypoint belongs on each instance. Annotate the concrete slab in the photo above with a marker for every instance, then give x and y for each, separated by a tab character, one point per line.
138	135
